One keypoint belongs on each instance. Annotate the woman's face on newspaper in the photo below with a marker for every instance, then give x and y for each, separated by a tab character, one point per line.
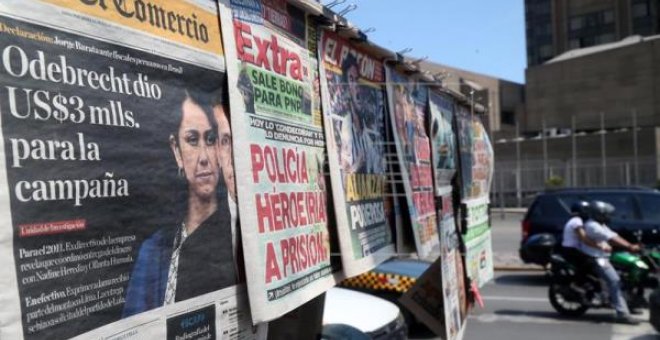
197	155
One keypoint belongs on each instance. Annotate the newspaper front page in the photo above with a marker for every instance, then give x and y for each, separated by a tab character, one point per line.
407	107
117	215
354	111
476	159
273	88
443	141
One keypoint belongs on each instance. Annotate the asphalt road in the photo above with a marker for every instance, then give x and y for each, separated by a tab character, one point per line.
516	307
506	239
506	231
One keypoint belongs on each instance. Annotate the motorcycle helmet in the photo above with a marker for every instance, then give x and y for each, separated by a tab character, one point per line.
601	211
580	208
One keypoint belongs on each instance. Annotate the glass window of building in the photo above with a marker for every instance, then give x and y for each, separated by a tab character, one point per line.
546	28
545	51
608	17
605	38
576	23
640	9
508	117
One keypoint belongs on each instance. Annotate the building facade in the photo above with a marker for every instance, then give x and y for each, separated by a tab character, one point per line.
502	99
614	80
556	26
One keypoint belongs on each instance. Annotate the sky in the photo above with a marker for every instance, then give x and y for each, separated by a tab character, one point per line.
484	36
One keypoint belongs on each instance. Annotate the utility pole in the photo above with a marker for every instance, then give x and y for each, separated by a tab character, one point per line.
574	153
603	152
518	193
635	151
545	152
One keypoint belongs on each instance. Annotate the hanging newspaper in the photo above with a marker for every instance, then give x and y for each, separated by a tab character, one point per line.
407	107
476	157
111	173
453	273
354	111
479	256
438	298
282	190
443	141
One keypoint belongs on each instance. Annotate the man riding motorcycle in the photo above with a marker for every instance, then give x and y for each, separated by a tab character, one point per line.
574	235
597	230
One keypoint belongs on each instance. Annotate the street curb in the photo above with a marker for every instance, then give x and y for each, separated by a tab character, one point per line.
514	268
508	210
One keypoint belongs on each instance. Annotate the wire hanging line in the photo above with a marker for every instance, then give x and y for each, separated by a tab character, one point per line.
335	3
347	9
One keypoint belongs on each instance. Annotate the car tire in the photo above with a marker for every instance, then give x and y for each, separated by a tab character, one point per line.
561	303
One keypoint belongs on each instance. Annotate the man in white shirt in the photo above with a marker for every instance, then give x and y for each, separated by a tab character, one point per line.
574	235
597	230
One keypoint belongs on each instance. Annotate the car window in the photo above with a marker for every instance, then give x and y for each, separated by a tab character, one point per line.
623	203
649	206
548	206
567	200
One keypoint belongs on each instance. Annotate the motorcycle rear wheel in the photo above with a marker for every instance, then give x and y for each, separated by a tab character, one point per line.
562	304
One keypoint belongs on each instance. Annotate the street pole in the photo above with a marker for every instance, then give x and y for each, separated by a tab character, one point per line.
574	153
501	192
518	193
602	148
545	152
635	151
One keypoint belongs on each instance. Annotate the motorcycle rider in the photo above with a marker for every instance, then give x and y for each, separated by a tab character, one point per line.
574	235
597	230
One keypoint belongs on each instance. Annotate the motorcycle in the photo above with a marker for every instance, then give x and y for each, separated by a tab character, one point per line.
573	295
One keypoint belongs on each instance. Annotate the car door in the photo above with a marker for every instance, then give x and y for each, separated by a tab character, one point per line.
649	207
548	215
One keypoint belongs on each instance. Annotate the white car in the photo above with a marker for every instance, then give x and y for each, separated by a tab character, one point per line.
375	317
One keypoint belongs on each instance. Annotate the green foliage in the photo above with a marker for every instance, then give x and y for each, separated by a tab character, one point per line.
554	182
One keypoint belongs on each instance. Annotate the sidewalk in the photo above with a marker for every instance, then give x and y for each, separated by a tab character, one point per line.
495	209
510	261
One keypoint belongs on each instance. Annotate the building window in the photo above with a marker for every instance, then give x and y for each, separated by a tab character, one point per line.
592	21
642	27
545	29
587	41
543	8
604	38
545	51
576	23
573	44
640	10
591	29
508	118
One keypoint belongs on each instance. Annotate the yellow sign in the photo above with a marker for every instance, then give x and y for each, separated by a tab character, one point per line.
364	187
177	21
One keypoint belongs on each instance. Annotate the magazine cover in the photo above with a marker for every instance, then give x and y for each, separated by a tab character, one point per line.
112	173
282	194
354	111
408	104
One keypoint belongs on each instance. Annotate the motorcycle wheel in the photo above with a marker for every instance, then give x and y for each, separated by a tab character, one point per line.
562	304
